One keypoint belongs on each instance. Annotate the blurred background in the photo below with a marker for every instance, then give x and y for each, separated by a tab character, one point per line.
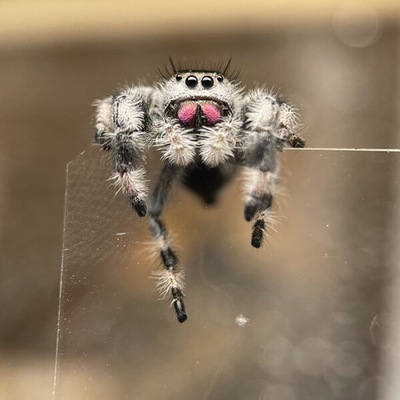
337	61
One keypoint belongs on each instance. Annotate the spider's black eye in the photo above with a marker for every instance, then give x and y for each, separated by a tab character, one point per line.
178	77
220	78
191	81
207	82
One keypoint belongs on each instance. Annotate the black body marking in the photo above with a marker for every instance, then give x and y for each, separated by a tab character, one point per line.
206	182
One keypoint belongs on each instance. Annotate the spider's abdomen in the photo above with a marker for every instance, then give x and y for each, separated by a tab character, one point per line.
194	114
206	181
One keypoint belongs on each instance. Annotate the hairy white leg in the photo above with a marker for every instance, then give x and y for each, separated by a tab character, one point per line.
121	129
267	112
260	188
263	142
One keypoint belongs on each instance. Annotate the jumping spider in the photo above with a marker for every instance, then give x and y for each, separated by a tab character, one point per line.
205	125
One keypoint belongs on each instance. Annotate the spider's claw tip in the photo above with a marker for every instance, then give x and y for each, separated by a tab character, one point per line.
182	317
258	234
250	210
298	143
179	305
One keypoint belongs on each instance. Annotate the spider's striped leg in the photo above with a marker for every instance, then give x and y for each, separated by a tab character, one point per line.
270	124
262	175
287	126
171	279
129	173
120	129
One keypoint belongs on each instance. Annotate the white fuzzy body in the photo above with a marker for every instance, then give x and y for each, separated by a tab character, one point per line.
199	121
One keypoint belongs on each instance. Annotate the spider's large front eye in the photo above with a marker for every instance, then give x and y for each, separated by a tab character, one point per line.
191	81
207	82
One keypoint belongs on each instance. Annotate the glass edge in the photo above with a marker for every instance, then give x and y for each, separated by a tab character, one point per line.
59	314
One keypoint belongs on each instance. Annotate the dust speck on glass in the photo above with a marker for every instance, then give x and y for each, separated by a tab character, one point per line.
205	125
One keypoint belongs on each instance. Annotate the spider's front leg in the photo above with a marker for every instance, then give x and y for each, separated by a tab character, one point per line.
121	128
171	278
270	124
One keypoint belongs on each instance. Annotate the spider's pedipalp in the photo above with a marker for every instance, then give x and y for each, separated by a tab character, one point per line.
218	144
176	143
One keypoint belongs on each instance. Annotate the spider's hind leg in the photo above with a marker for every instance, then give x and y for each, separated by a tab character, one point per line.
171	278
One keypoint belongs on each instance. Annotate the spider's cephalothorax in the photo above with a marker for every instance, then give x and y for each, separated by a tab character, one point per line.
204	126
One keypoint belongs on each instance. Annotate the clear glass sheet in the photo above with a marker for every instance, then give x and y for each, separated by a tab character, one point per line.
299	318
